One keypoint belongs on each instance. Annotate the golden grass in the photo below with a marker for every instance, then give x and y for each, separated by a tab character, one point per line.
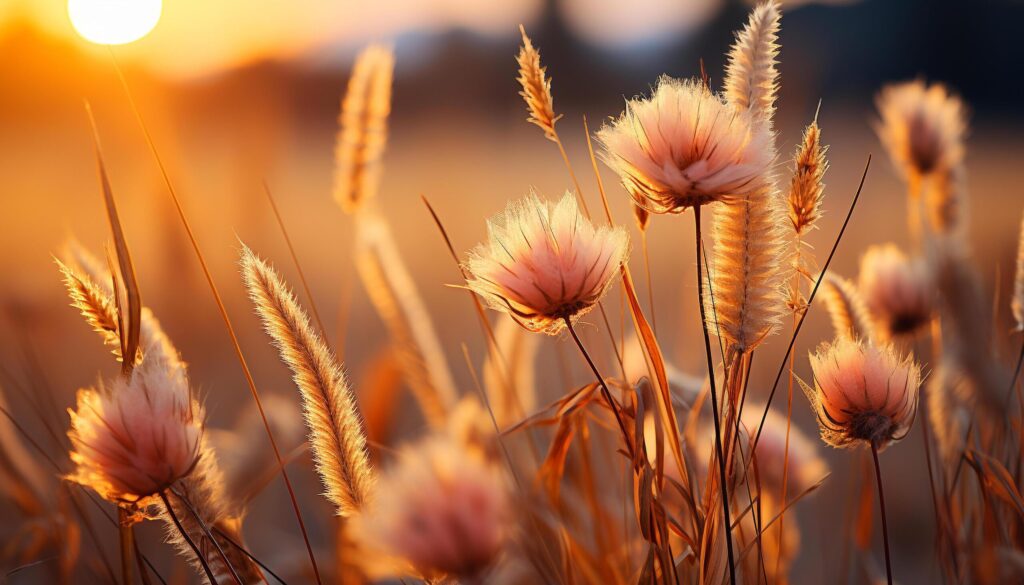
398	302
336	434
625	485
363	128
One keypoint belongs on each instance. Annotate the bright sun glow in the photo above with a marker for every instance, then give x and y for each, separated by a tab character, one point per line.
114	22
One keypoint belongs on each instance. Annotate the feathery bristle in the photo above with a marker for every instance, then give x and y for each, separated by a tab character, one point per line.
536	88
806	188
95	305
363	132
846	308
394	294
746	300
336	434
751	78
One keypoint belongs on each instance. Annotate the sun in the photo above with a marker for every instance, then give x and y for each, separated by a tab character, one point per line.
114	22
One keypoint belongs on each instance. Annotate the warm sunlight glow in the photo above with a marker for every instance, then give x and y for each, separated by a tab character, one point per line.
114	22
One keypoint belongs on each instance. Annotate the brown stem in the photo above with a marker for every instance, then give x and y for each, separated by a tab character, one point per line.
188	539
604	388
127	541
714	402
881	506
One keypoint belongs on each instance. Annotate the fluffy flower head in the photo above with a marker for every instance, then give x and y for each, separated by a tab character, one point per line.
897	290
863	393
685	146
443	508
544	262
137	437
922	127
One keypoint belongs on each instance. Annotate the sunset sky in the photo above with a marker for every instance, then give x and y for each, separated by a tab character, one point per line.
198	37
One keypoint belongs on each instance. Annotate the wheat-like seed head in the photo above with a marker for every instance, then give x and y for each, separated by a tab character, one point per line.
536	88
806	188
363	132
336	434
95	305
746	284
846	308
394	294
751	77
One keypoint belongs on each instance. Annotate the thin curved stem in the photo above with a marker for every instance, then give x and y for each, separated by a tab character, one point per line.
208	534
188	539
714	401
881	506
604	388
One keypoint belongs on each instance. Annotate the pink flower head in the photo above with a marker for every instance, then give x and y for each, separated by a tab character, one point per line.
685	146
137	437
442	508
897	290
922	126
863	393
544	262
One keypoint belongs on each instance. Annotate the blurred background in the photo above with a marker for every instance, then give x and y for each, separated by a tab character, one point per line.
237	92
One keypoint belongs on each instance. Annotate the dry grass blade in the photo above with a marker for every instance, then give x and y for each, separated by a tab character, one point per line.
751	78
131	318
997	479
363	133
536	88
337	440
394	294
